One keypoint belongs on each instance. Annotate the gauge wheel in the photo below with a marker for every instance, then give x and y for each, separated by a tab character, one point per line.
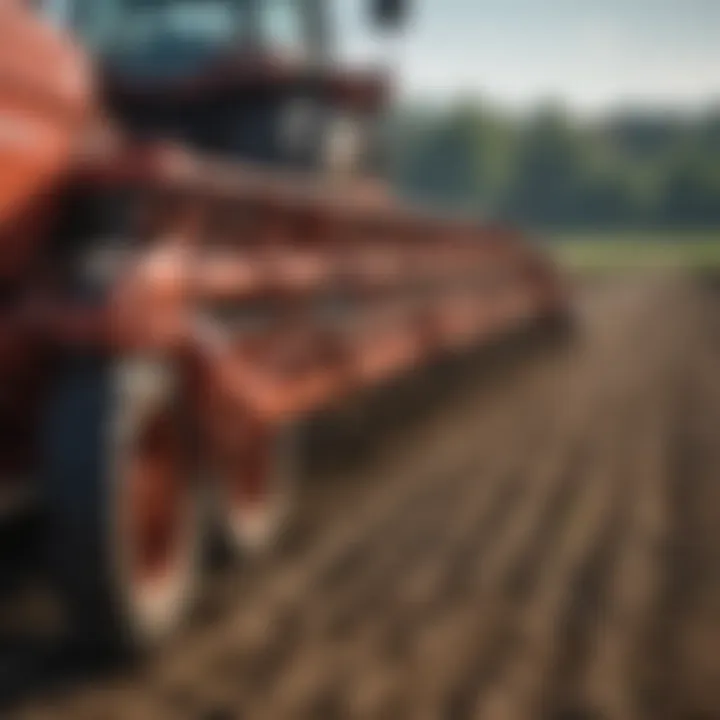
256	485
125	528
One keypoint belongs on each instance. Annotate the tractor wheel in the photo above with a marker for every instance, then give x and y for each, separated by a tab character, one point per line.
124	517
257	492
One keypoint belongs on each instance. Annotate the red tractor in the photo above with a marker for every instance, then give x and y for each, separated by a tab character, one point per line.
197	254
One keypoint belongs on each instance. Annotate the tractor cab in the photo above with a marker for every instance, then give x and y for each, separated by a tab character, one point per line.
249	79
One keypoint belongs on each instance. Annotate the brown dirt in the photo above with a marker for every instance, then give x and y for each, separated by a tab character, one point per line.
536	537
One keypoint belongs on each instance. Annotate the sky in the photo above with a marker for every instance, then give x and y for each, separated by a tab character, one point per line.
592	55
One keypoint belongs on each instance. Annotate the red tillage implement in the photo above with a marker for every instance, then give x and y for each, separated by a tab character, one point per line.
167	319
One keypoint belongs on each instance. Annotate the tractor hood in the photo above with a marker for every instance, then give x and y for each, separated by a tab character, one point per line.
237	73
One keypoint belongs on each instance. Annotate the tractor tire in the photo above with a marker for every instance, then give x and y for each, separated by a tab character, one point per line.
124	521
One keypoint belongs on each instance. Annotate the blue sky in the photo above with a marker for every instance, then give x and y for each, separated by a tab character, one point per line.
591	54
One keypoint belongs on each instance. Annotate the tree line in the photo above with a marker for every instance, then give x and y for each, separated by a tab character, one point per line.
551	169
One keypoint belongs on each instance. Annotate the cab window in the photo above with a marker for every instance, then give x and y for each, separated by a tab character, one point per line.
282	25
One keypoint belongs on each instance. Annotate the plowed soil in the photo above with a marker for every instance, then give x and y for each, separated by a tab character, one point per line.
535	534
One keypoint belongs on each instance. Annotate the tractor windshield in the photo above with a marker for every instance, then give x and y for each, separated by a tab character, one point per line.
174	37
160	37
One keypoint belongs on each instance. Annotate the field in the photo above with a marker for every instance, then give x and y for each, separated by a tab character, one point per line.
537	536
613	252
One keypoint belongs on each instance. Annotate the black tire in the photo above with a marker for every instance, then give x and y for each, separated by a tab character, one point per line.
94	414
